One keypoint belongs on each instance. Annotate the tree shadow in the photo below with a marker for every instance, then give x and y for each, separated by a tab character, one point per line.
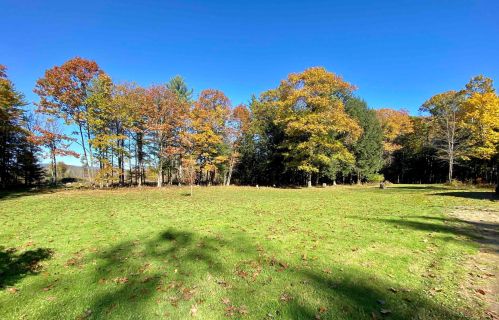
25	192
14	266
130	273
413	187
356	294
478	195
483	233
134	277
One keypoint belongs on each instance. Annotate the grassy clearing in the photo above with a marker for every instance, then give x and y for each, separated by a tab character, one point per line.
240	252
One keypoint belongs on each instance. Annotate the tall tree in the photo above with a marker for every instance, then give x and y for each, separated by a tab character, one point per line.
237	127
208	123
450	137
17	153
101	120
166	121
368	149
63	92
311	111
179	87
481	118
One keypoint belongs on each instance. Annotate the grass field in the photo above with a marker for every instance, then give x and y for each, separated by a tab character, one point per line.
236	252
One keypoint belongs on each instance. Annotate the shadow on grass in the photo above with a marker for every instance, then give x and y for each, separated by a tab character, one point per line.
131	273
356	294
174	270
479	195
416	187
24	192
14	266
483	233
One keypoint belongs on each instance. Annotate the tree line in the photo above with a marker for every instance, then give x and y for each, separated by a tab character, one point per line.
311	129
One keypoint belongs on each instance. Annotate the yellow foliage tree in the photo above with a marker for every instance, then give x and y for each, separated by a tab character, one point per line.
311	111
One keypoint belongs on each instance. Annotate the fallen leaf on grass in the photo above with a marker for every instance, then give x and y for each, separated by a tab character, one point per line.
12	290
286	297
47	288
241	273
121	280
231	310
187	294
481	291
194	310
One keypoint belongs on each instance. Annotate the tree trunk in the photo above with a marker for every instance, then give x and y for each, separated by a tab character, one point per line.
160	174
54	168
180	173
84	151
139	159
497	178
229	176
90	153
451	167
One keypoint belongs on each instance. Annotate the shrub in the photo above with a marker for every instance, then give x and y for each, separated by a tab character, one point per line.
375	177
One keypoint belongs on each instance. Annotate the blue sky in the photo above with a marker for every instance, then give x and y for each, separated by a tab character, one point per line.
398	53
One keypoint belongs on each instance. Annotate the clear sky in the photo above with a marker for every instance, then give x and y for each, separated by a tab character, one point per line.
398	53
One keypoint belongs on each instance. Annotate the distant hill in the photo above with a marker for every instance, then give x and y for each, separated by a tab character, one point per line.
71	171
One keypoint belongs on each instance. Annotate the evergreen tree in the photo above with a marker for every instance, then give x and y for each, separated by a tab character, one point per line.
18	162
368	149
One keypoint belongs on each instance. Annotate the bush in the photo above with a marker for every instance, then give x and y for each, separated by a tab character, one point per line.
455	184
375	177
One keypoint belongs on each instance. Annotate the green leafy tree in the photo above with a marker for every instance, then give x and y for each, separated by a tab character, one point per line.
18	158
368	149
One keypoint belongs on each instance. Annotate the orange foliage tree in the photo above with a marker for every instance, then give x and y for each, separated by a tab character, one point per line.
63	91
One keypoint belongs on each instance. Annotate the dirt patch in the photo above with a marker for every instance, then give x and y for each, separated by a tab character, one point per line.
482	284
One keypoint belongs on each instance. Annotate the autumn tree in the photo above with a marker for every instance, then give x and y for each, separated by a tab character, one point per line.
134	100
450	137
317	129
101	113
481	119
49	135
208	124
236	128
394	123
166	121
63	92
184	93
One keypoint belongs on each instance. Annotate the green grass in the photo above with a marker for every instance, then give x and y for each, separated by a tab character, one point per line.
239	252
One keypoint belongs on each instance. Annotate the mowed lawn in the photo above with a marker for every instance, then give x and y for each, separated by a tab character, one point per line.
236	252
